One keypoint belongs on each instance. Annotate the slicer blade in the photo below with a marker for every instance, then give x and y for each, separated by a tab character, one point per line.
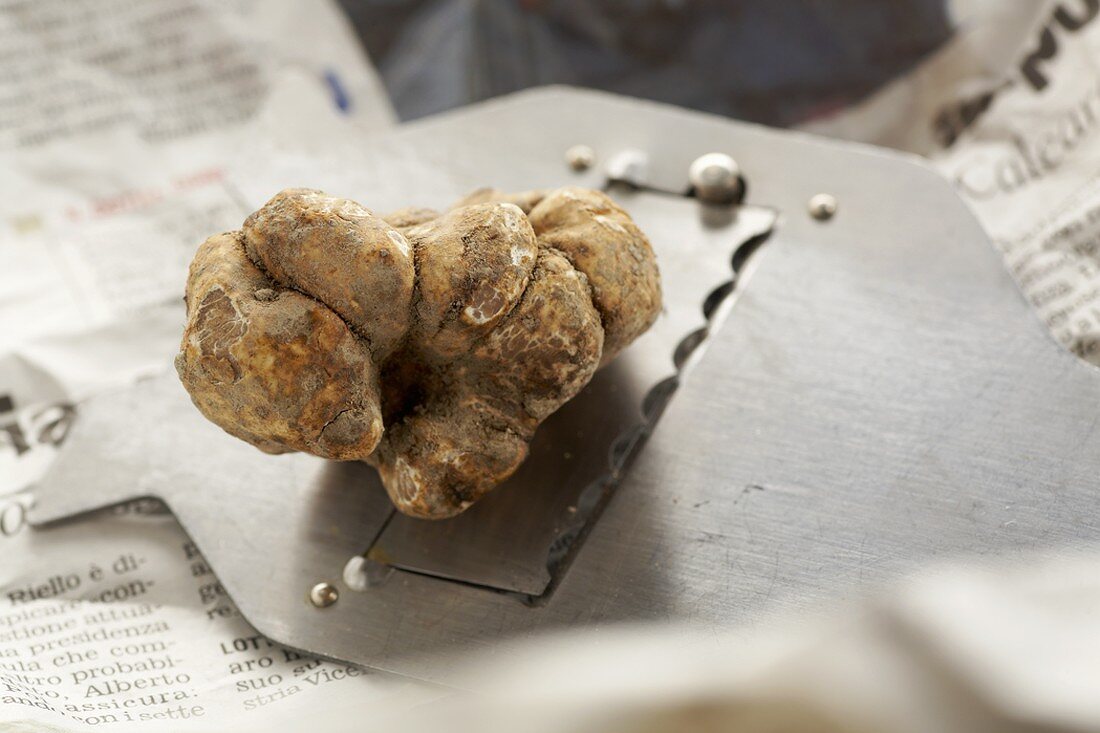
518	536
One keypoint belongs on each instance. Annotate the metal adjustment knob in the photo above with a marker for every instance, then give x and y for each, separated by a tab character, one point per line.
822	206
715	178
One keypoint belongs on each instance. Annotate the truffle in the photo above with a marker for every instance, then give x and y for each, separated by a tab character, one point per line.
430	345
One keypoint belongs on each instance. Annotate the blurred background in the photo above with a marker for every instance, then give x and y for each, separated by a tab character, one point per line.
777	63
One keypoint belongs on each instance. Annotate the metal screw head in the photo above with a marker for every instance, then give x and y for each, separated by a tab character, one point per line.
323	595
715	178
822	206
580	157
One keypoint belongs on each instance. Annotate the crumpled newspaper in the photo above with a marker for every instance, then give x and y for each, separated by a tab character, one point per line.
954	650
1006	110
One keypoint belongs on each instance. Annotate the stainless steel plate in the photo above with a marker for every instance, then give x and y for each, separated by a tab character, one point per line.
878	395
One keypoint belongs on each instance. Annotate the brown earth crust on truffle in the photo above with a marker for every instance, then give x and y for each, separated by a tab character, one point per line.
430	345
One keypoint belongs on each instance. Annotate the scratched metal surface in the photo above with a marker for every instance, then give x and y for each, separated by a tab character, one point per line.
879	396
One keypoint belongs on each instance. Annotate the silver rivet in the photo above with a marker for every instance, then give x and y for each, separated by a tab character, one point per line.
822	206
580	157
323	595
715	178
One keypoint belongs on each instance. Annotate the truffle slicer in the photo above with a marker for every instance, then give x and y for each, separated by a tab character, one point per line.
868	391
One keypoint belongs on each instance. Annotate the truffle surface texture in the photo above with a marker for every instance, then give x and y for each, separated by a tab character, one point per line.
428	344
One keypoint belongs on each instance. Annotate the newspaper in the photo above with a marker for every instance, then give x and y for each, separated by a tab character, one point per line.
121	124
118	623
1009	112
